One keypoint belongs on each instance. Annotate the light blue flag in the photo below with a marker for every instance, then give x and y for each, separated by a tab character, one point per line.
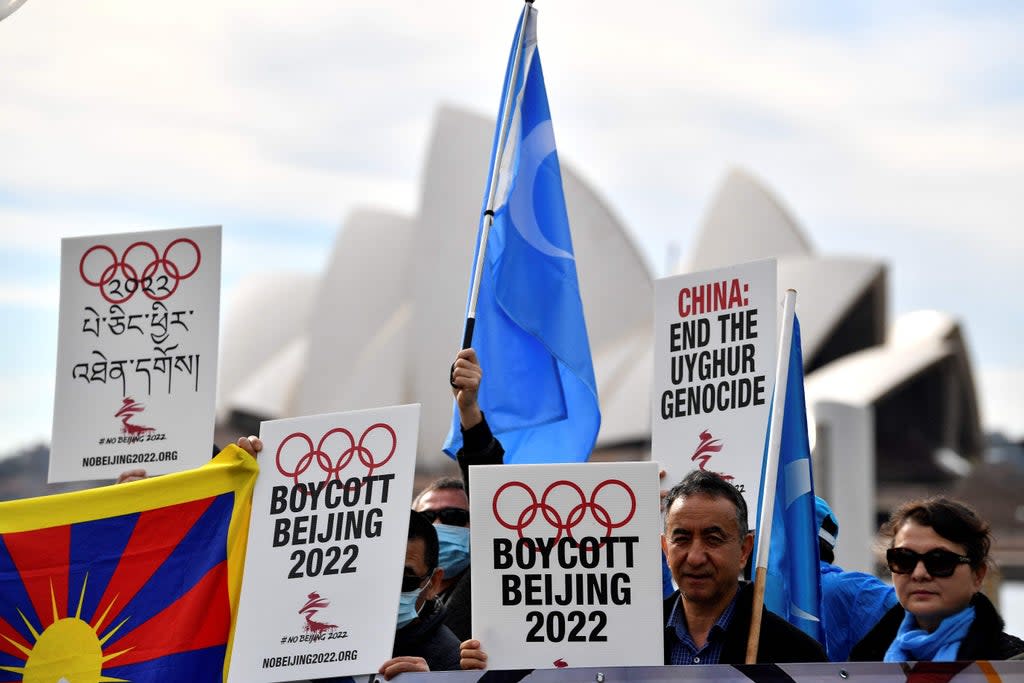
793	588
538	393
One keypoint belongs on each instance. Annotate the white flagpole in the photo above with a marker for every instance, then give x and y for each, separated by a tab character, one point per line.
506	116
771	472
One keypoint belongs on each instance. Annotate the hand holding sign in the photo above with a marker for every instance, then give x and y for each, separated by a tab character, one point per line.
399	665
472	655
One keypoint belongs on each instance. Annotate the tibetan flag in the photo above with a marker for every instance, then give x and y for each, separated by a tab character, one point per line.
132	582
793	585
530	334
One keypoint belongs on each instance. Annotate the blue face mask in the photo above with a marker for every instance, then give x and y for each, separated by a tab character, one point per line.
454	549
407	606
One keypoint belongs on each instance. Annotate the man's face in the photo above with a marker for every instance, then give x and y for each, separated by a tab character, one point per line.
440	499
704	548
416	565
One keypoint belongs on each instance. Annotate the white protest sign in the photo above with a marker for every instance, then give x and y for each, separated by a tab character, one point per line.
714	361
566	564
326	551
136	353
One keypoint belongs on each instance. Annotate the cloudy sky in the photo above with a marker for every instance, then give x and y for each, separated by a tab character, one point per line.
890	129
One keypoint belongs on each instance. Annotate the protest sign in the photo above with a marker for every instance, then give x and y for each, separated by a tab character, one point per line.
326	548
714	362
136	353
566	564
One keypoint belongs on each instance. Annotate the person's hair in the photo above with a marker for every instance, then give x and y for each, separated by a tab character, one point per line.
951	519
420	527
825	552
449	483
710	484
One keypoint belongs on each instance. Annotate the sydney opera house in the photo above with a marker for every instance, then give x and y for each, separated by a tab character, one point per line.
892	402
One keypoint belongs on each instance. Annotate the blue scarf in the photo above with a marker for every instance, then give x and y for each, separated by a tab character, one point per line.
913	644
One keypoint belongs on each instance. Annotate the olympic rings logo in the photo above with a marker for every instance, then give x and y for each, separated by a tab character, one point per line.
332	467
140	267
503	498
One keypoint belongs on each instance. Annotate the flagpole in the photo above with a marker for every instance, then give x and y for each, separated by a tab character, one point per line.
771	472
506	115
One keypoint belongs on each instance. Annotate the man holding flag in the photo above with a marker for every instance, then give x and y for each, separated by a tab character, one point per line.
524	314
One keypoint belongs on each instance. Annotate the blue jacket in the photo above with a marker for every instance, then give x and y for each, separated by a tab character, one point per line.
851	604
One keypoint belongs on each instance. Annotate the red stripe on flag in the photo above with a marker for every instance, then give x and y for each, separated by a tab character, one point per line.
41	558
156	535
5	647
200	618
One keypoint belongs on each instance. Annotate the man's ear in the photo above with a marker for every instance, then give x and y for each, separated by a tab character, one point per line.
746	548
433	586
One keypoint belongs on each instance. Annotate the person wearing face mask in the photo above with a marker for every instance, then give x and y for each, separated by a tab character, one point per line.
938	556
422	641
445	503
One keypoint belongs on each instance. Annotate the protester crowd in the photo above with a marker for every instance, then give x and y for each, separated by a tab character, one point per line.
938	555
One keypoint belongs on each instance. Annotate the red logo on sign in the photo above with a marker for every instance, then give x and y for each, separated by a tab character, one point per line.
707	447
140	267
129	409
562	496
309	610
293	461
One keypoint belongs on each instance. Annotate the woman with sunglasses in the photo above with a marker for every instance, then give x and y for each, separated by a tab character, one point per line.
938	557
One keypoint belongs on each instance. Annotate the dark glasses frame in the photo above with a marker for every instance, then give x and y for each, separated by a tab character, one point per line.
411	582
449	516
939	562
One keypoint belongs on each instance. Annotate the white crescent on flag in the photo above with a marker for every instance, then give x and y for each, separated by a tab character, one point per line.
798	480
538	146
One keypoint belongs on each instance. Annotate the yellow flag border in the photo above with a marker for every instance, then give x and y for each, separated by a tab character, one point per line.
227	471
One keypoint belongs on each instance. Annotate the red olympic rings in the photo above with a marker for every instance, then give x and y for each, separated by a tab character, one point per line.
576	513
333	468
158	267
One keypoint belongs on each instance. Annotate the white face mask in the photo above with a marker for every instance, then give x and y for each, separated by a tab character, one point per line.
407	606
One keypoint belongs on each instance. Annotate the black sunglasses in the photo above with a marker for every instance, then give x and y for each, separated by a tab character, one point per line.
939	563
449	516
412	582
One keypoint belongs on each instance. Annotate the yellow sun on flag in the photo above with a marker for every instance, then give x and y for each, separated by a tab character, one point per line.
69	649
